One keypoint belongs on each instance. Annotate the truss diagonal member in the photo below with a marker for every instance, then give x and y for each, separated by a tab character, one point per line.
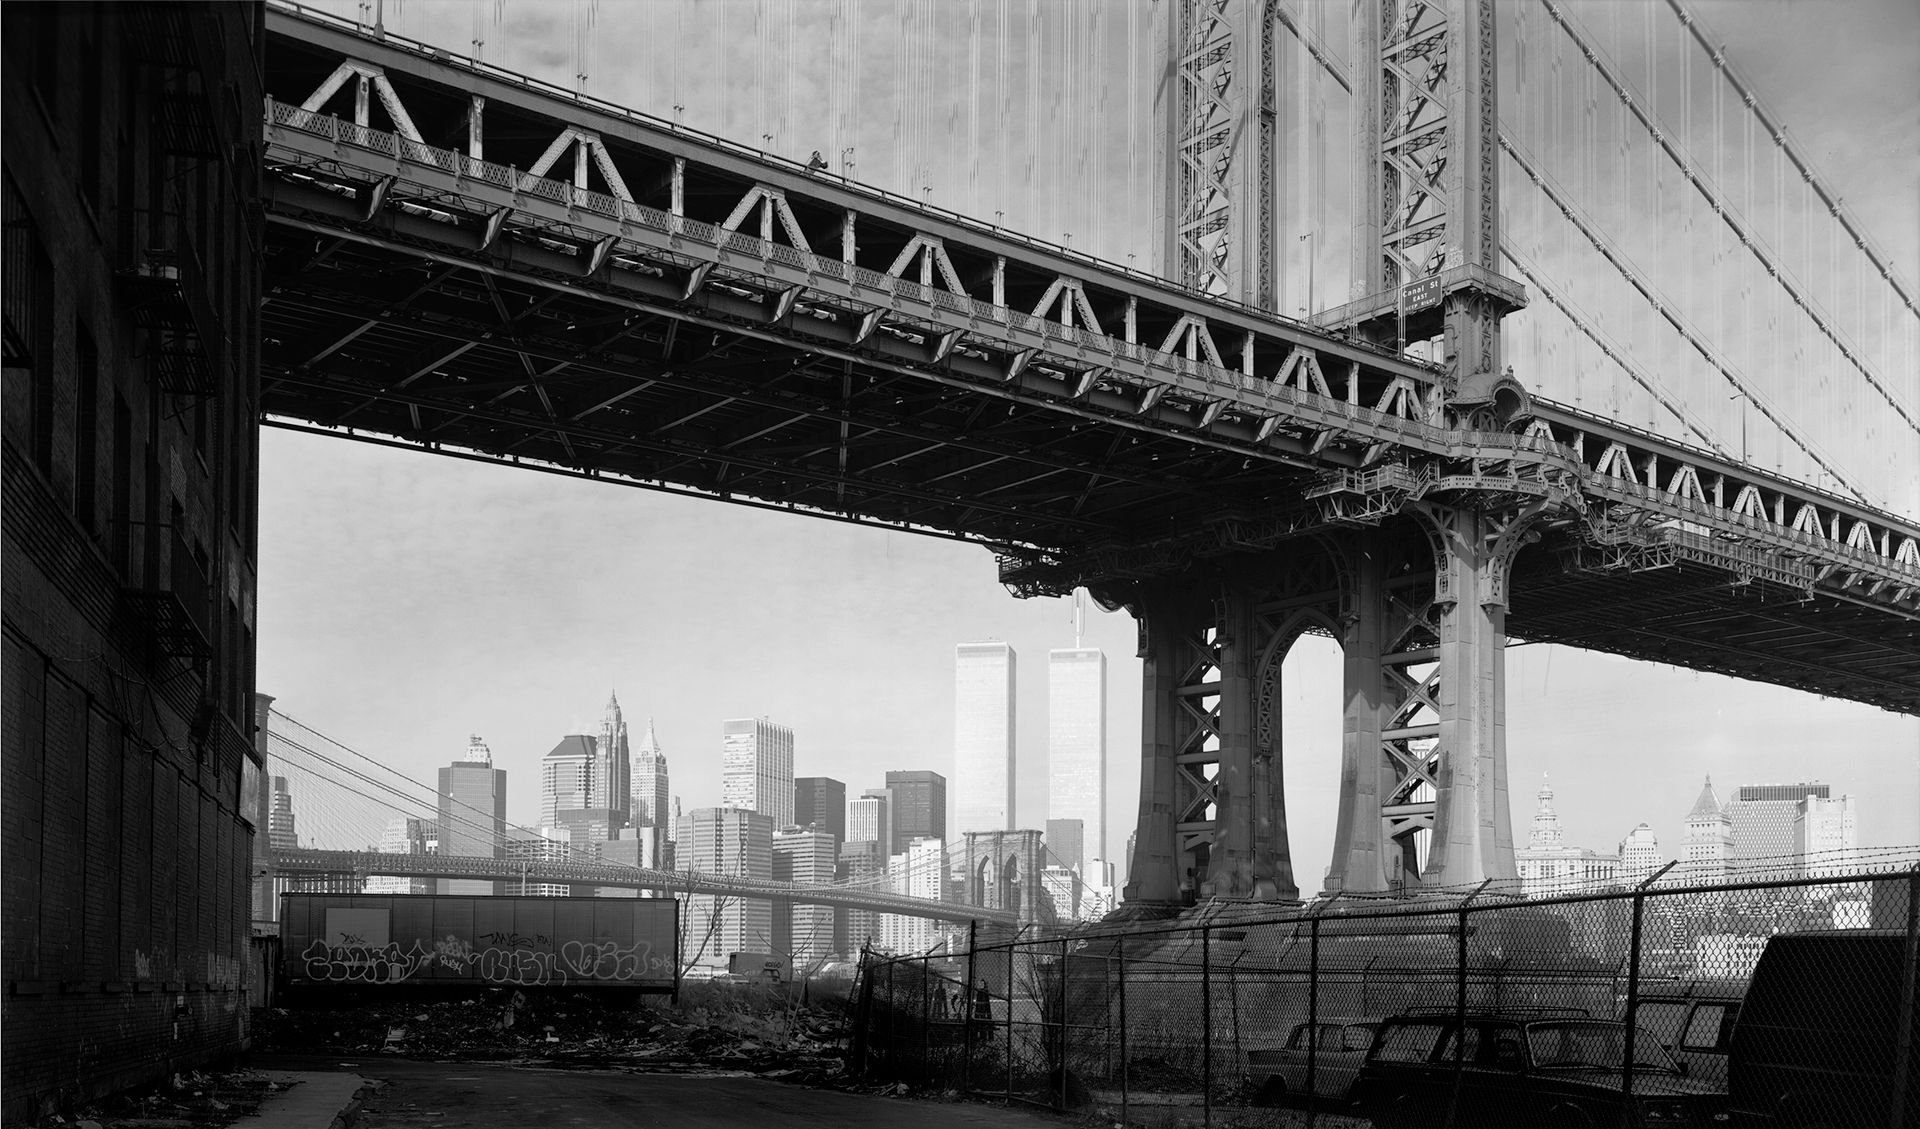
1725	210
365	75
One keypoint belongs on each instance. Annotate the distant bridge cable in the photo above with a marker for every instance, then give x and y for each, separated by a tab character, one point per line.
1662	306
1835	206
1741	228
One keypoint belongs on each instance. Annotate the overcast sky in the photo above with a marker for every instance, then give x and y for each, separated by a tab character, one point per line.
407	601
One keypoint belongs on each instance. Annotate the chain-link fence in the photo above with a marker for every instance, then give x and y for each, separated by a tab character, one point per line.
1238	1005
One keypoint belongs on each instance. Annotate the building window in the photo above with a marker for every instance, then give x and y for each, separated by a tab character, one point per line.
86	445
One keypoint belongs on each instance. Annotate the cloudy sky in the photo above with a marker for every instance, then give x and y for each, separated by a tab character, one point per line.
407	602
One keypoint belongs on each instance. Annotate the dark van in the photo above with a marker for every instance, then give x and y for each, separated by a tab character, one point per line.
1819	1034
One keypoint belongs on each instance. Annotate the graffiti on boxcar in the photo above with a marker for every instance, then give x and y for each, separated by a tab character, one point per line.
519	966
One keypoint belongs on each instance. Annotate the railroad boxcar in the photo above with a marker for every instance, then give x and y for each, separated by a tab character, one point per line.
380	941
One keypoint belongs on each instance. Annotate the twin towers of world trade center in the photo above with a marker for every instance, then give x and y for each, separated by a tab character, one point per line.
984	774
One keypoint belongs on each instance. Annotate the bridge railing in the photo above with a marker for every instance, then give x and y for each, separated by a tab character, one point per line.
646	121
1222	1007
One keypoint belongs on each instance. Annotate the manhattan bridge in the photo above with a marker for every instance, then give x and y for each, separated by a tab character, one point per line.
1595	355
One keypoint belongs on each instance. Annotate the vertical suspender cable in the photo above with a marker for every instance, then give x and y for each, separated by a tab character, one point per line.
973	109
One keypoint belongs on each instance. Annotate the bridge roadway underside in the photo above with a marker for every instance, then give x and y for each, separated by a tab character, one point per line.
364	336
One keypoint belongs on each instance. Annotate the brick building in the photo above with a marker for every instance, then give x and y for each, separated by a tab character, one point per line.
130	142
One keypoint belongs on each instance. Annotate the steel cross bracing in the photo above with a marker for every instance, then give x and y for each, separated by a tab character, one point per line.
1218	203
864	358
303	860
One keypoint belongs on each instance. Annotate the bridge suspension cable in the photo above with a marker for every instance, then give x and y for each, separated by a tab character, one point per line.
1662	306
1641	111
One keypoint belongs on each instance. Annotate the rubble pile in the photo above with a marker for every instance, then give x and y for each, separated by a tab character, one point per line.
748	1030
194	1100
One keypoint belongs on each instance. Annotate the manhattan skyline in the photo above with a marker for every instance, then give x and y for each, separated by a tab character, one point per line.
406	601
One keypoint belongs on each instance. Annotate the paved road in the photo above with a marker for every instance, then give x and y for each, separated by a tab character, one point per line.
493	1096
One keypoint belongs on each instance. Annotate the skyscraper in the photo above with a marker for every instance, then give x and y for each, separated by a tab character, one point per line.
405	835
1066	843
756	768
869	819
1709	839
1824	835
821	802
566	778
807	856
473	814
920	871
1640	854
281	834
983	725
1077	746
611	786
650	806
1763	821
919	807
737	843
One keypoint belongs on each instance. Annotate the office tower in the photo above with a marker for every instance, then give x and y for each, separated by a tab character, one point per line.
611	786
807	856
281	834
586	827
737	843
756	768
920	871
1763	821
1077	746
566	777
546	845
1640	854
1064	892
983	717
405	835
1548	866
1709	839
624	847
869	820
862	865
1066	843
1825	838
473	814
918	807
649	806
821	802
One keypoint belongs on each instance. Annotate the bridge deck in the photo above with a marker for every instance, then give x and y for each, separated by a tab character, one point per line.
1122	430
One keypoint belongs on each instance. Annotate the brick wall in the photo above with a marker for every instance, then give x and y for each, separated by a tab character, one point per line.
124	939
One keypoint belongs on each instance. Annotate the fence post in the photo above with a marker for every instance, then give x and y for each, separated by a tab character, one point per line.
1460	1003
1206	1025
1313	1006
926	1019
1010	949
1233	1006
893	1039
1063	1023
1903	1080
966	1002
1124	1094
1633	976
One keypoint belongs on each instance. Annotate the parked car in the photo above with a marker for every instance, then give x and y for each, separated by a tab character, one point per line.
1694	1023
1526	1070
1336	1048
1818	1039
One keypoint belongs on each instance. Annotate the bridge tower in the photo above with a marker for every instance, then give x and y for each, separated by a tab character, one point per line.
1413	582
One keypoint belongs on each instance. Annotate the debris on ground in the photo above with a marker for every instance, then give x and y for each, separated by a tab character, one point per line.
196	1099
717	1027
